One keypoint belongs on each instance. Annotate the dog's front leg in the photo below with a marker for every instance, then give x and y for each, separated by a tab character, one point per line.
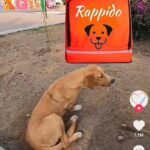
77	107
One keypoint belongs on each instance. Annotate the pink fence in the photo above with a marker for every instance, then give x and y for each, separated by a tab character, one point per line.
24	5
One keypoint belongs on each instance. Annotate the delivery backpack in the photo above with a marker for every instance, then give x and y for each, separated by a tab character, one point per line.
98	31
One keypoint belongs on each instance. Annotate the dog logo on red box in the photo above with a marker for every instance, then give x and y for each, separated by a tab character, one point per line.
98	34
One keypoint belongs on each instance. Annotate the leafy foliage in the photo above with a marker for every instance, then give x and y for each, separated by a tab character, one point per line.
141	18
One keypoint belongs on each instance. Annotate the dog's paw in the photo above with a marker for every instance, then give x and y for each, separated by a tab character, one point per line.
78	107
1	148
74	118
79	134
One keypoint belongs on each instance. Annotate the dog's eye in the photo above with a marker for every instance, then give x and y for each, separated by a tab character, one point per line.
102	32
102	76
94	32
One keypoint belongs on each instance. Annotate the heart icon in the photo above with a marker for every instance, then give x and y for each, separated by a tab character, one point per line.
139	125
139	98
139	147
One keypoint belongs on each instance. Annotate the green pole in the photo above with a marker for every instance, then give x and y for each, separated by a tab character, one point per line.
44	11
43	6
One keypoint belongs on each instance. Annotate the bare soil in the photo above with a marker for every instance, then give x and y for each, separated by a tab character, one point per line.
27	68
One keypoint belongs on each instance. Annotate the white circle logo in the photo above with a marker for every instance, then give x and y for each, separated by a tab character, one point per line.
138	98
139	147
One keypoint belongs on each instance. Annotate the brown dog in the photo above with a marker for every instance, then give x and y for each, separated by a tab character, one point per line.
46	129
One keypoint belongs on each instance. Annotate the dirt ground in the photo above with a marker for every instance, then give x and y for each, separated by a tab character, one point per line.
27	68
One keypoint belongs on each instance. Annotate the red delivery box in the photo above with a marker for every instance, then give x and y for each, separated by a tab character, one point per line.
98	31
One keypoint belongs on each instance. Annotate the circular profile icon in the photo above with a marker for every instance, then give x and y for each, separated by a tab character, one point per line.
139	100
139	147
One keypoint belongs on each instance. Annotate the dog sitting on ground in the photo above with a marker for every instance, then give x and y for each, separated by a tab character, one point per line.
98	34
46	129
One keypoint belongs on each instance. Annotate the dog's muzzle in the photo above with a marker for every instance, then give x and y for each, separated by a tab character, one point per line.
98	45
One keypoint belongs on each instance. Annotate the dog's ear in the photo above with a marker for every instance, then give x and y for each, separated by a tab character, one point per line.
89	81
88	28
109	29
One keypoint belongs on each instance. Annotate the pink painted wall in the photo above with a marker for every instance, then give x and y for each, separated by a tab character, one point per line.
15	5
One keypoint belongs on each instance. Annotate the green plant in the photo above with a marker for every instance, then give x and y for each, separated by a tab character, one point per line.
141	18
